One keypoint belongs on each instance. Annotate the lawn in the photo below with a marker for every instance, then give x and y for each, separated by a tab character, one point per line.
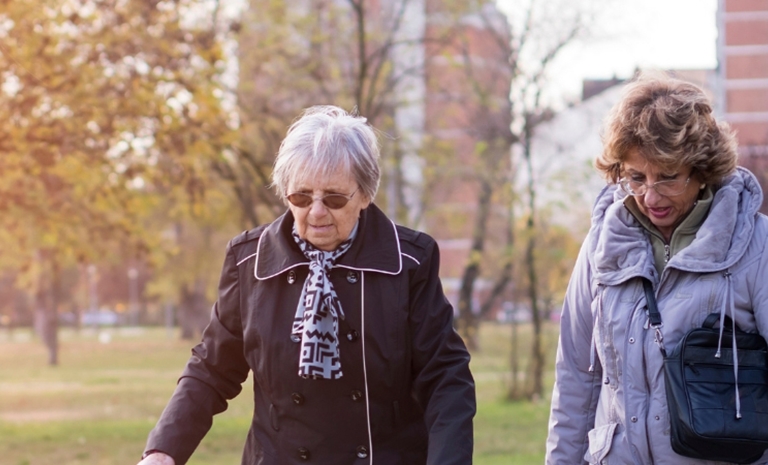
98	405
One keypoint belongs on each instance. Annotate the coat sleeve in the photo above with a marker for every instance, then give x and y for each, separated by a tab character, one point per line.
760	290
574	397
443	384
213	375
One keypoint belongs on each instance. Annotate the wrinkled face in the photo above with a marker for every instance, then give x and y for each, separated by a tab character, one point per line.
321	226
665	212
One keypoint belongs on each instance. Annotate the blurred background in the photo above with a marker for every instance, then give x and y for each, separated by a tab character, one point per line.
137	138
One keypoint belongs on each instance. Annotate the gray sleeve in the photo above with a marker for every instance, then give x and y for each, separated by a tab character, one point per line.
576	390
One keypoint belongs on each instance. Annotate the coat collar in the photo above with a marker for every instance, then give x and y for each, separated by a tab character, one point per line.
621	249
376	247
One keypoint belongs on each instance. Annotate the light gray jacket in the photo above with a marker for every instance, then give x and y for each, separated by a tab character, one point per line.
608	404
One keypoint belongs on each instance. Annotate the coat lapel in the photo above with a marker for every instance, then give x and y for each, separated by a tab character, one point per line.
277	252
377	247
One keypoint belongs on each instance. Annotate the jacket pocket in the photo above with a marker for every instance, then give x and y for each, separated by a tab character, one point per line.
600	440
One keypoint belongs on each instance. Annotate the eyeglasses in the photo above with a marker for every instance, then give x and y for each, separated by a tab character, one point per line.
669	188
332	201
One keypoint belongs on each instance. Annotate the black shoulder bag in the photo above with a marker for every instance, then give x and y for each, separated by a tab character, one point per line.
712	416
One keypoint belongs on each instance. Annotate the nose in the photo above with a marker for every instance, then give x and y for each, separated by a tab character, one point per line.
651	197
317	208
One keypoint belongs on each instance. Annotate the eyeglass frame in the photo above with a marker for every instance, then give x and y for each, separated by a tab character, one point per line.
623	183
347	198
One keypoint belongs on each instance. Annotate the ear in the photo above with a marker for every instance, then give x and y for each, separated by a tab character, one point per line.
365	203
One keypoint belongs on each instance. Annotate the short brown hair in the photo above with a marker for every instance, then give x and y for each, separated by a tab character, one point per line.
671	123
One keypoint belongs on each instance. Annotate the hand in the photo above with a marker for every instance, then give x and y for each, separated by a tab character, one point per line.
158	458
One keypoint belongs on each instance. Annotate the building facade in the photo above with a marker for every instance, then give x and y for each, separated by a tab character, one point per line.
742	87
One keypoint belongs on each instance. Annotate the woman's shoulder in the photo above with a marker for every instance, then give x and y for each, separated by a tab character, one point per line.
246	243
413	239
248	235
389	235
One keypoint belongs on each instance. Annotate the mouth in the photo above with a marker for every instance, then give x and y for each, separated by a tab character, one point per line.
660	213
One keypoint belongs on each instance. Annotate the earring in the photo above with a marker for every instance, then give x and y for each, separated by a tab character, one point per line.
701	187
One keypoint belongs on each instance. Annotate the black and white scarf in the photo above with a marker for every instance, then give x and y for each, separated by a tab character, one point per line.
318	313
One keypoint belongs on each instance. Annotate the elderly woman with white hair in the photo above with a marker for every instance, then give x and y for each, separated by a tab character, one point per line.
341	317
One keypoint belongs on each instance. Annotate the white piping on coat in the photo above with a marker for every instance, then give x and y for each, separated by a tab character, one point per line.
246	258
400	255
412	258
365	368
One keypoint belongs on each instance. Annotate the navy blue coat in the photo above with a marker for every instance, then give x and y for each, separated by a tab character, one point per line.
406	396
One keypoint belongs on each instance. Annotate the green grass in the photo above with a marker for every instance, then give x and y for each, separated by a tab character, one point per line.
98	405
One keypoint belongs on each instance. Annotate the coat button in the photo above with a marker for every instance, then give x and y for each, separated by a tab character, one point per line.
633	419
304	453
352	335
297	398
606	381
631	340
291	277
356	395
362	452
352	277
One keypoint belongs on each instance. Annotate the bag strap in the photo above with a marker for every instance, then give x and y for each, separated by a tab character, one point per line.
653	309
653	315
713	319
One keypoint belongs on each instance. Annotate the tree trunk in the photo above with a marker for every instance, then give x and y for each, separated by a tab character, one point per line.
513	393
193	311
505	276
469	321
536	388
468	324
46	310
537	358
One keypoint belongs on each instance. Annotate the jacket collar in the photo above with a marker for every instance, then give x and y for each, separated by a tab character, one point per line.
621	249
376	247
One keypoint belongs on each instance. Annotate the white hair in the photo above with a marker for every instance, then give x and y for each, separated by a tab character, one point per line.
324	141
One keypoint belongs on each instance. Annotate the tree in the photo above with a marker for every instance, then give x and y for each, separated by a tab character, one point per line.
351	53
553	258
108	105
543	30
186	267
536	35
472	80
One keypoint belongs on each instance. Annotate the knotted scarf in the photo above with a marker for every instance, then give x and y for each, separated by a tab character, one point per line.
318	313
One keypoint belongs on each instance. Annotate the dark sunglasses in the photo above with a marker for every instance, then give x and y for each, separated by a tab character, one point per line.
332	201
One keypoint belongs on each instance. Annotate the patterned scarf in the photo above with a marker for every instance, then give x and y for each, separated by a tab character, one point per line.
318	313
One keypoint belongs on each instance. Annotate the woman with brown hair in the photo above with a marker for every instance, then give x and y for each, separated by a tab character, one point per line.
678	212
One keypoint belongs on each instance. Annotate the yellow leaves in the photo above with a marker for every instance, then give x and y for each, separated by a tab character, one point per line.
475	258
481	146
84	83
